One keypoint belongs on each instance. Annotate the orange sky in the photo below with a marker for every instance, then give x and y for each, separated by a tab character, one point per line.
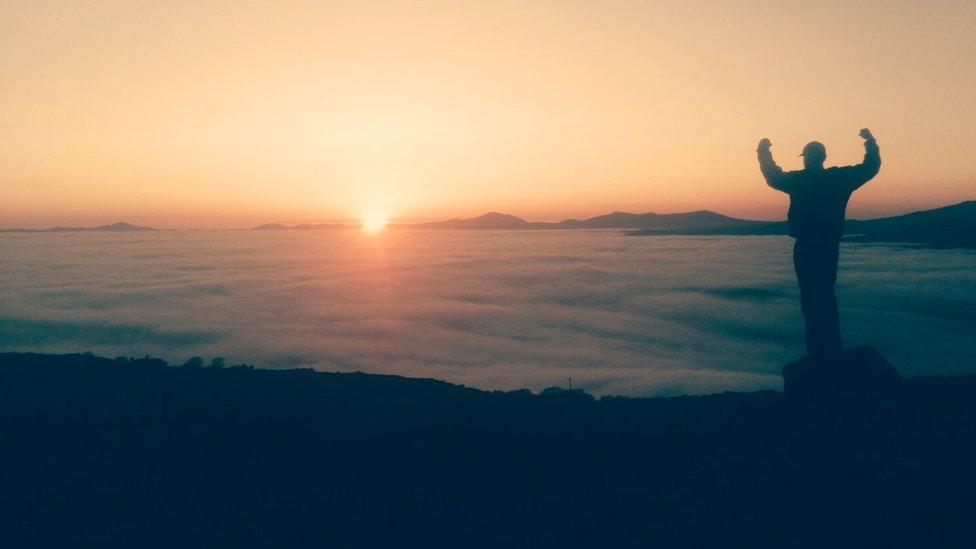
222	114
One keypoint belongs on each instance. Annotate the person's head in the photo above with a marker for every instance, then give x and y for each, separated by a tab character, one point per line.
814	154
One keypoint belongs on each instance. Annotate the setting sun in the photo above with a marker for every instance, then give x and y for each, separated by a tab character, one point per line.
374	221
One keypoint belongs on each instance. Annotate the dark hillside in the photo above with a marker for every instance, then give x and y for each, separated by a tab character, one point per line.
133	453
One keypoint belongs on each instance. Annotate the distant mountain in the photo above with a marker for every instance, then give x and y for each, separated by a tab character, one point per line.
302	227
751	229
114	228
702	219
947	227
490	220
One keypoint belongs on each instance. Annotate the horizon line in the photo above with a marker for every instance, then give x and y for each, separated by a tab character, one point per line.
401	222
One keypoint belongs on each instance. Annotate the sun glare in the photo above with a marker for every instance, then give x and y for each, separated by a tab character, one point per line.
374	221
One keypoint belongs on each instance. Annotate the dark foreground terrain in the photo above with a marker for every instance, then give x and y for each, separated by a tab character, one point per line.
132	453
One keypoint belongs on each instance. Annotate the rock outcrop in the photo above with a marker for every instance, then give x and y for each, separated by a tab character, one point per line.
856	374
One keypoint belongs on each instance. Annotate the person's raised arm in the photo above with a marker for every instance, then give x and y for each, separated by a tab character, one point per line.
869	167
775	177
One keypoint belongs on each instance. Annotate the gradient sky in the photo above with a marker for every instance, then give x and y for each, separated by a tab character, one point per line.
221	114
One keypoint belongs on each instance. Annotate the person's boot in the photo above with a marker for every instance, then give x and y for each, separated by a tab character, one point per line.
816	355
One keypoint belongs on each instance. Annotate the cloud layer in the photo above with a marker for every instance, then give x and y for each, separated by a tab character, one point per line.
496	310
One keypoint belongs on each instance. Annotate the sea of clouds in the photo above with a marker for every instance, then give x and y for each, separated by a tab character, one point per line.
490	309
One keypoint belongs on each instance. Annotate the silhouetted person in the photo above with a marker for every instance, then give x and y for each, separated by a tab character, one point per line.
818	200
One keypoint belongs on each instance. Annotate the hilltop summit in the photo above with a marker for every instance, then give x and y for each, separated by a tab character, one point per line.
130	452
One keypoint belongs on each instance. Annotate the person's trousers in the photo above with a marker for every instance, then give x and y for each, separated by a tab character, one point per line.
815	262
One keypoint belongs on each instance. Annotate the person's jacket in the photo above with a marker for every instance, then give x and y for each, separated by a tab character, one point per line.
818	197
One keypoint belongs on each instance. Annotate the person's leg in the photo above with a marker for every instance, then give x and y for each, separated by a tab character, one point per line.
805	262
832	337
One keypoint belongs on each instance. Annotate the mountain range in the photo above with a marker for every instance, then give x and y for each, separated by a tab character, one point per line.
702	219
113	228
946	227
